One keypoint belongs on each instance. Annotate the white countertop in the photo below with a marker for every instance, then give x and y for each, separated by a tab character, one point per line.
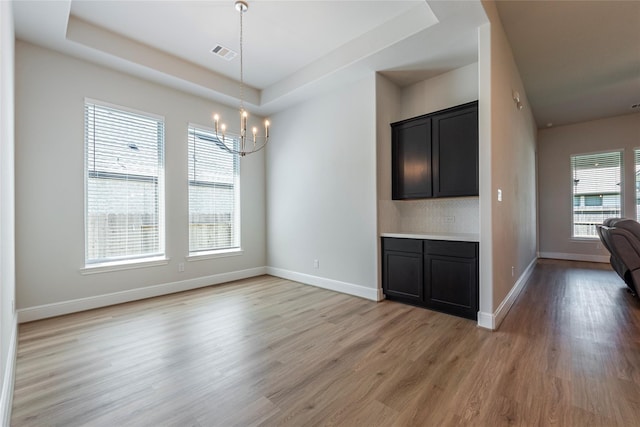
458	237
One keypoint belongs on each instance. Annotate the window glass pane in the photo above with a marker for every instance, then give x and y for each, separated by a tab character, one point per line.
597	180
213	193
124	180
593	200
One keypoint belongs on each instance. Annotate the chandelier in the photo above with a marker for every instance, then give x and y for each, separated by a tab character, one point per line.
246	144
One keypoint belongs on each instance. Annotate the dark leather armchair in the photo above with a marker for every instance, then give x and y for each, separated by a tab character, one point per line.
621	237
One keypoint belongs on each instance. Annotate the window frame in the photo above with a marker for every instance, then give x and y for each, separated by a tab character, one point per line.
159	257
572	235
236	249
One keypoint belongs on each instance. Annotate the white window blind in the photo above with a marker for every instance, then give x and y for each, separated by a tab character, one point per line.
124	216
597	183
214	193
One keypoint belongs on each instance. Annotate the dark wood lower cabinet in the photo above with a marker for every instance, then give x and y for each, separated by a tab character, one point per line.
451	277
440	275
402	267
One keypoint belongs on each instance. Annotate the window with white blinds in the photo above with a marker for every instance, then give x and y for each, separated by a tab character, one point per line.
124	217
597	183
214	193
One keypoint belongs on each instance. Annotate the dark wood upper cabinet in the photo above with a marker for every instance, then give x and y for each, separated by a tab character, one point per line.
436	155
455	152
411	159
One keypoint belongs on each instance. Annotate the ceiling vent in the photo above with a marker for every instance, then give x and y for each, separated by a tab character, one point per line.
224	52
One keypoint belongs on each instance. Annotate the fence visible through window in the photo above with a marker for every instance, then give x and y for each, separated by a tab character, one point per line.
124	184
214	197
597	183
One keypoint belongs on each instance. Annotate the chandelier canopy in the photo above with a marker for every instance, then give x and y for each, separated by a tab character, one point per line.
241	144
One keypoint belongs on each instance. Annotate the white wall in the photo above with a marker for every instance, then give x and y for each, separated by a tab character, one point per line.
50	92
387	111
321	191
453	88
555	146
7	213
508	162
446	90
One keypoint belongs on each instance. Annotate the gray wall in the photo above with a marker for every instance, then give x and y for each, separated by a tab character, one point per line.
7	206
321	191
555	147
507	162
50	92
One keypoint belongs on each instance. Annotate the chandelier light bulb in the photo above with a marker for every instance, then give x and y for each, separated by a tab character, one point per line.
216	118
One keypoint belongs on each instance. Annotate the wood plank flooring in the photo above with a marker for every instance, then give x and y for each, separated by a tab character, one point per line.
270	352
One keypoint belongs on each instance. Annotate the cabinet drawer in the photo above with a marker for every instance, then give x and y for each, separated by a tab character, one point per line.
402	245
448	248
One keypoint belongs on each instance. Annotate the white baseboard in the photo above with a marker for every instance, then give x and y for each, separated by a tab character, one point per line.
493	320
57	309
574	257
6	400
373	294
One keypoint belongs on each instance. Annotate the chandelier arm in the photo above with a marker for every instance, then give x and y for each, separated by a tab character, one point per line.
255	150
222	145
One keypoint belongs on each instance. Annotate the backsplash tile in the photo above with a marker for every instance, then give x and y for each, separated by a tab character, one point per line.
459	215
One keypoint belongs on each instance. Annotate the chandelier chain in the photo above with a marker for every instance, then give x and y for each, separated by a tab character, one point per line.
241	65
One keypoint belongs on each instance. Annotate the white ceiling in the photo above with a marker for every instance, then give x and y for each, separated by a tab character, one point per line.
579	60
292	49
279	37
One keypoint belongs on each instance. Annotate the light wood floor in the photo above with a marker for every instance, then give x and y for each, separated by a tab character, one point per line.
270	352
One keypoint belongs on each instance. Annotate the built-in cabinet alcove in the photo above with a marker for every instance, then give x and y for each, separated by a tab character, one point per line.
428	192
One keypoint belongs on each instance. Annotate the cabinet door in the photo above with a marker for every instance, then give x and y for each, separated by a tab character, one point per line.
455	152
451	277
411	159
402	276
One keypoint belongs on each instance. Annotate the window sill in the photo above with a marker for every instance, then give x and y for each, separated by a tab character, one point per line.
198	256
584	239
107	267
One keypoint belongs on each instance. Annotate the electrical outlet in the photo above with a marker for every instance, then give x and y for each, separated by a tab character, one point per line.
316	263
449	219
499	195
513	271
181	267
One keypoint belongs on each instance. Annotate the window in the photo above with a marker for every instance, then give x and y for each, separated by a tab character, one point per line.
214	198
124	203
597	180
